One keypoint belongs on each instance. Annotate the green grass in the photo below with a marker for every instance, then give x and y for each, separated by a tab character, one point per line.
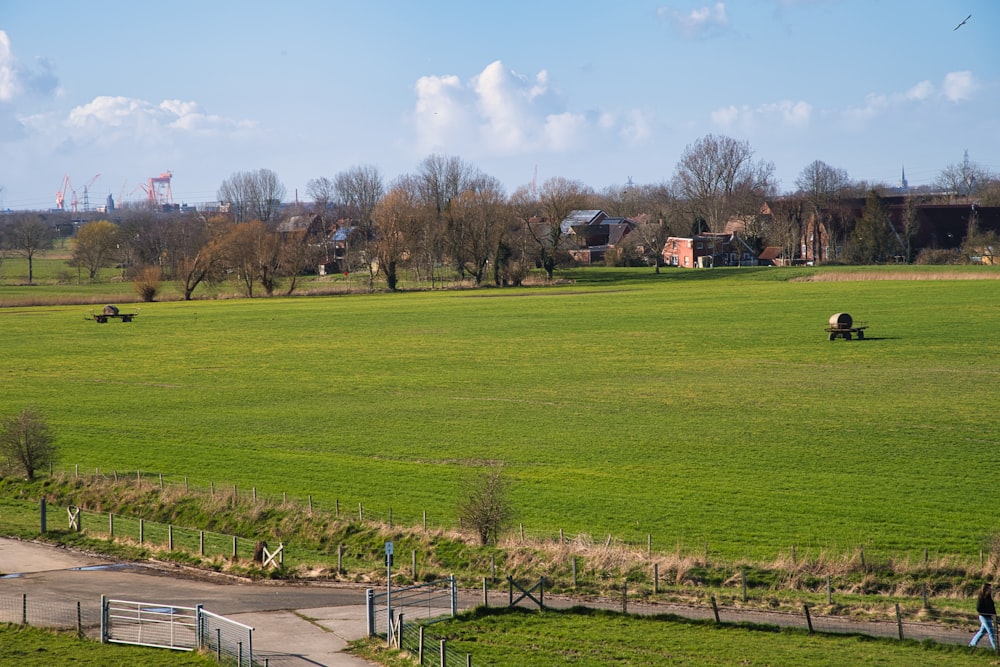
33	647
696	407
522	639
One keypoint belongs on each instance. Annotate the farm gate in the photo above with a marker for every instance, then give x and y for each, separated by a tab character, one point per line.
179	628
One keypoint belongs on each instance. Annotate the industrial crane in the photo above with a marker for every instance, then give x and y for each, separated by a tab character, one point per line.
61	193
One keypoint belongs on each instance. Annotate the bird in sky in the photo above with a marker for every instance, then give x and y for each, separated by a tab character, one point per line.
964	21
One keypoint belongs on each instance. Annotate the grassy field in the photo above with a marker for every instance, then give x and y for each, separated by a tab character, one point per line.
31	647
698	407
561	638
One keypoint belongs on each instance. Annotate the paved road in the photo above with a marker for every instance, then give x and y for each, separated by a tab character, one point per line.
299	625
294	625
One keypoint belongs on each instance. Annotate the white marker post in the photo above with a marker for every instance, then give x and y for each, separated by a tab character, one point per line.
388	593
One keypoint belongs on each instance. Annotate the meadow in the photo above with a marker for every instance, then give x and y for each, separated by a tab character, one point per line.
502	639
692	407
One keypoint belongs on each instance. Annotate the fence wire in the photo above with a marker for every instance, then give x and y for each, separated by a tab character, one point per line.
60	615
223	637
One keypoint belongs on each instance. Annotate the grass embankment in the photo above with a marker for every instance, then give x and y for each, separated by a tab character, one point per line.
320	546
33	647
527	639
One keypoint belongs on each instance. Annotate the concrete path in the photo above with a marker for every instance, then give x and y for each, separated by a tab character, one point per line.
294	625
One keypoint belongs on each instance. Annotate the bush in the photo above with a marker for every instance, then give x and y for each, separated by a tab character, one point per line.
147	282
938	256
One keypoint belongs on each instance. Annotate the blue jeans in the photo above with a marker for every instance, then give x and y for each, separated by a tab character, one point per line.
985	626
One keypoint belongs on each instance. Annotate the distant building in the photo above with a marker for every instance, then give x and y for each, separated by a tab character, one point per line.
594	233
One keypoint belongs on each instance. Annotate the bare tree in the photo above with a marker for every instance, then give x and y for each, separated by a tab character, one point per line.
657	214
323	192
360	189
27	442
252	195
557	198
717	179
95	248
820	183
254	252
477	218
785	227
27	236
822	187
486	506
397	218
964	179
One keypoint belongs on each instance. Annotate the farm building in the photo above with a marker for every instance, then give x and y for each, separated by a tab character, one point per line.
708	250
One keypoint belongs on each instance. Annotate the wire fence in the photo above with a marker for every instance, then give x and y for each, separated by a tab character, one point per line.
174	538
863	556
77	615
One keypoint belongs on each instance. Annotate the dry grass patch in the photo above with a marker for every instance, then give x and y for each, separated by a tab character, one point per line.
856	276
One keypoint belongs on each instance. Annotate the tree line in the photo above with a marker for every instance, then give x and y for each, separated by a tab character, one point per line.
448	218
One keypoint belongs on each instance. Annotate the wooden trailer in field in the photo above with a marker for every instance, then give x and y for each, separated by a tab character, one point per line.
110	312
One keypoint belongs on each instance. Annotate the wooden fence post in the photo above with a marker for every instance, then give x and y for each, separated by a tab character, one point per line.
743	580
809	621
899	622
656	578
715	609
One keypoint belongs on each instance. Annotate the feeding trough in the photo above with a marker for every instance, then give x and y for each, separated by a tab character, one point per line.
843	325
110	312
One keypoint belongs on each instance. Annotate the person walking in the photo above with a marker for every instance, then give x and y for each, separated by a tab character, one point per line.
987	612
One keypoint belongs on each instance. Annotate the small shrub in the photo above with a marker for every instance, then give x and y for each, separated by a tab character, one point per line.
938	256
147	282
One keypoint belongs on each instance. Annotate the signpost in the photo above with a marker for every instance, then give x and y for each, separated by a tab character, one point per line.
388	593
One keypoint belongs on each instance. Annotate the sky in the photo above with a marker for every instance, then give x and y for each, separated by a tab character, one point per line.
108	94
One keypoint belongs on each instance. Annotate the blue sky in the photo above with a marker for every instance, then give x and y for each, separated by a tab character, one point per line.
599	91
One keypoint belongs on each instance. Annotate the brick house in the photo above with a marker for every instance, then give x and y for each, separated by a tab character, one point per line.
708	250
594	233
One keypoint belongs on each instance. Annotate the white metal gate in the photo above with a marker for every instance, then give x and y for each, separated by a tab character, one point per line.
177	628
149	624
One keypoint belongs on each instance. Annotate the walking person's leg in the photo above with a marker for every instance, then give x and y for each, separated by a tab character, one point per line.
990	631
985	625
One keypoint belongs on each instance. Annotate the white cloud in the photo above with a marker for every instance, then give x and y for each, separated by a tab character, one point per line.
499	112
18	80
697	22
921	91
8	76
784	113
107	118
958	86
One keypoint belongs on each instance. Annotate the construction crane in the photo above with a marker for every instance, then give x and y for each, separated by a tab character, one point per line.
158	189
61	193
